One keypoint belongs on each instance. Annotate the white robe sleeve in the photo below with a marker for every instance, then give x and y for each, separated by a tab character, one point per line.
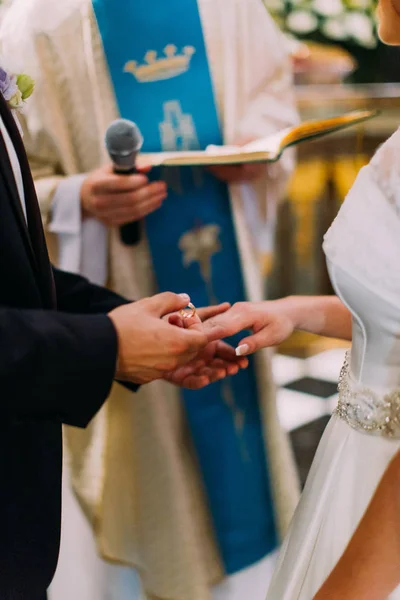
270	107
82	242
268	74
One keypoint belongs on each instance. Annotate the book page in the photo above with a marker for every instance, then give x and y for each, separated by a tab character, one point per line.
267	149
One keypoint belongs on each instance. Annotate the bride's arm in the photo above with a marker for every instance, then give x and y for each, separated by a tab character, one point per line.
370	567
322	315
274	321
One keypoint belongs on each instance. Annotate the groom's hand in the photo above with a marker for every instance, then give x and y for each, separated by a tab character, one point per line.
216	361
149	347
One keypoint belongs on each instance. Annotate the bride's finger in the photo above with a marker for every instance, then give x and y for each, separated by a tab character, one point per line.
265	338
227	324
207	312
227	353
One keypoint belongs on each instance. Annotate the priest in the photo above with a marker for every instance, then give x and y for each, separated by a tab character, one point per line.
190	491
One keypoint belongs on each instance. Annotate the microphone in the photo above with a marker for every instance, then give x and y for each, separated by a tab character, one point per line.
123	142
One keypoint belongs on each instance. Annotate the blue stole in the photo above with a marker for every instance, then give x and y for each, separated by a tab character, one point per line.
159	69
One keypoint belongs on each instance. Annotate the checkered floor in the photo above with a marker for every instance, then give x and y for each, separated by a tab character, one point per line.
307	396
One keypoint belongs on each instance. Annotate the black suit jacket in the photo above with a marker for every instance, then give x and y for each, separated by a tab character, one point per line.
57	361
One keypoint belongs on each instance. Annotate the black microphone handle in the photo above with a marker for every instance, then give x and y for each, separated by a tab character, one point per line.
130	233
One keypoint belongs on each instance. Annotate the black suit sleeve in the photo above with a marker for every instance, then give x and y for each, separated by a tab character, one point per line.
54	365
60	365
76	295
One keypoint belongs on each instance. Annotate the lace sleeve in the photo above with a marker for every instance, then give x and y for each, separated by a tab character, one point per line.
385	167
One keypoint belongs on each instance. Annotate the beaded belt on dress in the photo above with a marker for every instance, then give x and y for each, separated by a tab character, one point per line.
365	410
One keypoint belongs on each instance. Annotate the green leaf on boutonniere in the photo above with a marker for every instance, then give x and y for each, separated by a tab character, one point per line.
26	85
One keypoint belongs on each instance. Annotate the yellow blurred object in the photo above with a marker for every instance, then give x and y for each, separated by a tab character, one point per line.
266	263
345	171
305	190
304	345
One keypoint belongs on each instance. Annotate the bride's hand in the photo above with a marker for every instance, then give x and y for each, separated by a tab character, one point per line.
270	323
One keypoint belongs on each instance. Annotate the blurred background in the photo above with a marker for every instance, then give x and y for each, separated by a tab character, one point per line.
339	65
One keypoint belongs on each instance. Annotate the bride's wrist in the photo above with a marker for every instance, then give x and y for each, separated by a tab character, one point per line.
291	307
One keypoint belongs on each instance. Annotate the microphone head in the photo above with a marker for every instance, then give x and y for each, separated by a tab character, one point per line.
123	141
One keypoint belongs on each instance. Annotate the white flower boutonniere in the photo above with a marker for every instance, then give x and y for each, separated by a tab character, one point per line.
15	88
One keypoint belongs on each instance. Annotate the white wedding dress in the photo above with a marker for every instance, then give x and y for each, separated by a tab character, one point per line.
363	254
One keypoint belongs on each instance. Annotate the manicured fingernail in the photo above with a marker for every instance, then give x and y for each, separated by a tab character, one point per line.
185	297
242	350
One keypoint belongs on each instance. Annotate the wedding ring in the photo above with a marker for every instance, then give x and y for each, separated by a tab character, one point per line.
186	314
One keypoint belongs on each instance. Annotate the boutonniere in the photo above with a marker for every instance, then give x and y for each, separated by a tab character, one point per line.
15	88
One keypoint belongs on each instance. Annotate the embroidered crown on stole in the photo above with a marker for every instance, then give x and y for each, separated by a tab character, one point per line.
158	68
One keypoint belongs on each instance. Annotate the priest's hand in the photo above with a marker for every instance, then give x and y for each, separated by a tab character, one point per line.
119	199
239	173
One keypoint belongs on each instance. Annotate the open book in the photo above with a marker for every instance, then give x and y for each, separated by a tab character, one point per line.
268	149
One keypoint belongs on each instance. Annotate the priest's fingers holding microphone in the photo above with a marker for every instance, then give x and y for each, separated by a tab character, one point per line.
148	346
119	199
